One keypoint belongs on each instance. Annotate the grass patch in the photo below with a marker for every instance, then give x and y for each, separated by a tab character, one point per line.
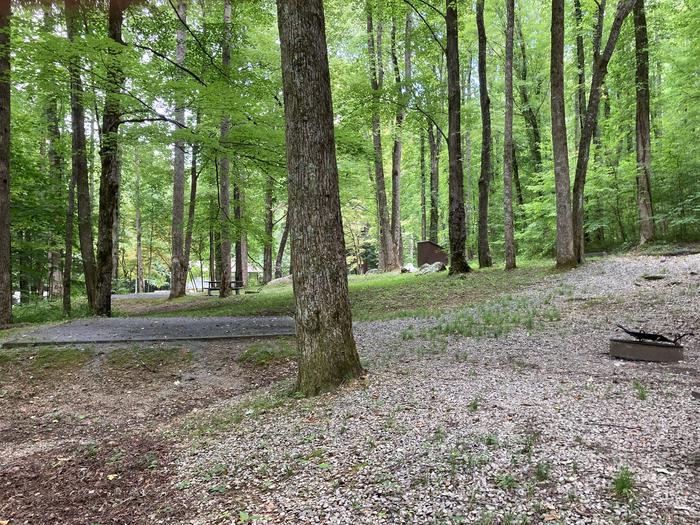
266	352
373	297
43	361
150	358
36	312
641	390
623	483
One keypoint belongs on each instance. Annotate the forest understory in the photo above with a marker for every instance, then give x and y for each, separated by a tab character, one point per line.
504	410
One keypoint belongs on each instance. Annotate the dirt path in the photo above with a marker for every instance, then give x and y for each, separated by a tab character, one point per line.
141	329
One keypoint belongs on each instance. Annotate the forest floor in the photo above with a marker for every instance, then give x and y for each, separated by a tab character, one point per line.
502	407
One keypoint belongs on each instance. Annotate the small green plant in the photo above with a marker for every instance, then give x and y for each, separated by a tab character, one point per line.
542	470
623	483
491	440
506	482
640	389
263	353
408	334
473	405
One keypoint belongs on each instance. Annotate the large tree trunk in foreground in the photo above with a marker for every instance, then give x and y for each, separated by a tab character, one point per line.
565	241
387	256
434	140
79	165
600	70
643	128
327	353
5	236
109	156
224	173
508	149
485	175
178	266
457	219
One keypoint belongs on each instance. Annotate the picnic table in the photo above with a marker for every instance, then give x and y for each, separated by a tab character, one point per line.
236	286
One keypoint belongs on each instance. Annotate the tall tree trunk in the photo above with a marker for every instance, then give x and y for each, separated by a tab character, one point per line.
224	176
68	250
516	180
192	205
643	127
486	144
327	353
5	234
241	238
423	215
79	164
531	120
280	250
508	147
269	229
457	215
115	234
179	265
109	157
140	283
565	242
56	171
434	141
600	70
386	244
397	150
580	105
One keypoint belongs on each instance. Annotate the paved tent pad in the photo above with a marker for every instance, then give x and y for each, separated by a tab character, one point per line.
121	330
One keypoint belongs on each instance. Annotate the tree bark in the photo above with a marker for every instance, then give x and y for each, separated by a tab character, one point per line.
192	206
224	175
397	150
327	353
56	171
109	157
580	105
5	234
486	168
280	251
643	126
531	120
269	229
600	70
423	215
68	250
241	238
179	265
508	142
457	215
434	141
564	245
140	282
387	256
79	166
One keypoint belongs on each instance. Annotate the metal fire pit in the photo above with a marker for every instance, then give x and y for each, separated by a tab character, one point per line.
648	347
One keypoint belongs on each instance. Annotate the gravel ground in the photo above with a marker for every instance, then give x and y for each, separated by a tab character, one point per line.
532	426
123	329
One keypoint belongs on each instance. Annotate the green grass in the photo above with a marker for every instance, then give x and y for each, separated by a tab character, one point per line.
373	297
150	358
44	360
266	352
623	483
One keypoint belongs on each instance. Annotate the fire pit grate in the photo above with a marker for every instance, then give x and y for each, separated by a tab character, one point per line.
648	347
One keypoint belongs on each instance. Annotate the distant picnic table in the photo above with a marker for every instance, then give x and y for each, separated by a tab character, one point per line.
236	286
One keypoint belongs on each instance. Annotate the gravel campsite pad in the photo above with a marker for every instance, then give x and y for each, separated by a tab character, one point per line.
116	329
537	425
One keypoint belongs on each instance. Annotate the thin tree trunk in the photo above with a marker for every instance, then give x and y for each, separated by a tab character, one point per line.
643	127
68	251
580	104
109	156
508	142
327	353
457	215
434	141
241	238
516	180
179	264
269	229
600	69
56	171
79	164
5	234
140	283
386	244
398	145
533	125
280	250
423	215
224	169
565	242
486	144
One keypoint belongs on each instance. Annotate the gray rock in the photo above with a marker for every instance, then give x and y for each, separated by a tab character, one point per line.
281	281
431	268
